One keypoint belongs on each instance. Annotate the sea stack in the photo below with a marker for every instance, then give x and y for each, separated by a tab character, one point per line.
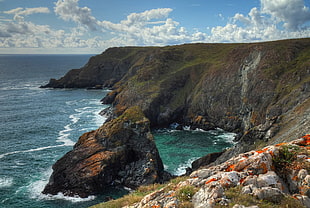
121	152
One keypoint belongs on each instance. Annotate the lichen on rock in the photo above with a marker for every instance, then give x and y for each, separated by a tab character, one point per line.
211	183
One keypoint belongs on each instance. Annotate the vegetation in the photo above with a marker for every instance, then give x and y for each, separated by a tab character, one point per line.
287	159
186	193
142	191
236	197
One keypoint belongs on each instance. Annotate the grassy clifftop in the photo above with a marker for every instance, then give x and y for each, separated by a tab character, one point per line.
239	87
254	89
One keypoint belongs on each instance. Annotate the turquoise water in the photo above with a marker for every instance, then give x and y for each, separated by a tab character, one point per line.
178	149
38	126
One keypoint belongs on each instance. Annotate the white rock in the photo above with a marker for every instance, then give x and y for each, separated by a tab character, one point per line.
302	174
269	194
249	189
303	199
268	179
206	196
252	179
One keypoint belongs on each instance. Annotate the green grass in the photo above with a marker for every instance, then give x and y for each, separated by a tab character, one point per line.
142	191
186	193
235	196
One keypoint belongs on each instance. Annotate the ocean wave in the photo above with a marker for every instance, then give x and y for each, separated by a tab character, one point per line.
6	182
61	196
20	87
64	136
98	119
181	169
36	187
74	118
31	150
228	137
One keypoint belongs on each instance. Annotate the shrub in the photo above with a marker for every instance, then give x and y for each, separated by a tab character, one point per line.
186	193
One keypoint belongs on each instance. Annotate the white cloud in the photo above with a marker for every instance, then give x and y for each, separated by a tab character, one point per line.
20	12
144	18
142	29
293	13
263	24
27	11
69	10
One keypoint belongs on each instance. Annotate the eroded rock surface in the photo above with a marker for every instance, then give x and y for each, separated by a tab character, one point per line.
257	173
121	152
260	90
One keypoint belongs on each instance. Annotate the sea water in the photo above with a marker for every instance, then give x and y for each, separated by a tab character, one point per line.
38	126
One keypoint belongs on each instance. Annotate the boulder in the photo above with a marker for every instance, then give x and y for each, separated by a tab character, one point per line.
270	194
121	152
206	160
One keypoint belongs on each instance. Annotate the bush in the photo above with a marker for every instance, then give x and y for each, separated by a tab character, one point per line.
186	193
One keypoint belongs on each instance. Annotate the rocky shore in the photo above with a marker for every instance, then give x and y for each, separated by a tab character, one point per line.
275	176
261	91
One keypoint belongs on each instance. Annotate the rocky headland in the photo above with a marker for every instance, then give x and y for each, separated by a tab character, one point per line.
260	91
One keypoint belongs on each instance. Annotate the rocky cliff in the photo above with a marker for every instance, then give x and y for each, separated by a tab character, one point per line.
120	153
259	90
254	89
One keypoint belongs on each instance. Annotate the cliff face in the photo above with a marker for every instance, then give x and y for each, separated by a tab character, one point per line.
253	89
121	152
260	90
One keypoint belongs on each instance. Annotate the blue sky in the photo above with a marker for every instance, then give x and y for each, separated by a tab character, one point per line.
91	26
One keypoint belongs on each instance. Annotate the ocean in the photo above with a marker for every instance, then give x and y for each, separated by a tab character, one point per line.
38	126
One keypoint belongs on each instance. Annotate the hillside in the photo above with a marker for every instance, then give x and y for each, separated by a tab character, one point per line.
253	89
260	91
275	176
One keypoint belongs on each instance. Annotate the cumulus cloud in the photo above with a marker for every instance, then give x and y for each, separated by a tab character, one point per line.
152	27
70	10
265	23
293	13
146	17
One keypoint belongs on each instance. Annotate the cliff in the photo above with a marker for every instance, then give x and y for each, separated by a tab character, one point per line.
259	90
120	153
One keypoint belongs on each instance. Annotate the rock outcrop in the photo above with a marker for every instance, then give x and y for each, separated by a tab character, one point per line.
276	174
121	152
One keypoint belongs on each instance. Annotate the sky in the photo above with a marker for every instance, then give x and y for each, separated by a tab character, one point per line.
92	26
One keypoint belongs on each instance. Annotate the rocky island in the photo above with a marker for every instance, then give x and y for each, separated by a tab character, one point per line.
260	91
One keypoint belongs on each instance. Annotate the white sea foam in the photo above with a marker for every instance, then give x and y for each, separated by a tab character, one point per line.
35	190
64	136
21	86
181	169
186	128
30	150
229	137
74	118
6	182
84	109
98	119
61	196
